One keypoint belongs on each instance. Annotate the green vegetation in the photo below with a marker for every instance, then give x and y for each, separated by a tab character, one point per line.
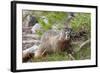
81	21
53	57
55	19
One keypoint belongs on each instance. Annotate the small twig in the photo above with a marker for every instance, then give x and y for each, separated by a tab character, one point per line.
70	55
44	52
84	43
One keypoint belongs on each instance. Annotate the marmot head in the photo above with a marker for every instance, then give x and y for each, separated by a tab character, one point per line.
64	35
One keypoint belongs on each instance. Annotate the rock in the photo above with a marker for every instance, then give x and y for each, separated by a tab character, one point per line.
29	21
35	28
31	41
33	36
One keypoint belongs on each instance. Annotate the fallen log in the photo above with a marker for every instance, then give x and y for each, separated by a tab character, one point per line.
28	53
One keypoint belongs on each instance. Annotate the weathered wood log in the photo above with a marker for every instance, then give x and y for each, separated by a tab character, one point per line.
29	53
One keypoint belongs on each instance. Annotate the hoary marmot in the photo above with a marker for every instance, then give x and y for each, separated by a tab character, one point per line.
53	41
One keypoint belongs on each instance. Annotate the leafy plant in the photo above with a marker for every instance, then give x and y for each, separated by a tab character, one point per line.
81	21
55	19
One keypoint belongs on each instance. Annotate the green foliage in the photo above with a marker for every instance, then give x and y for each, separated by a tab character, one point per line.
39	33
85	53
56	19
45	26
53	57
81	21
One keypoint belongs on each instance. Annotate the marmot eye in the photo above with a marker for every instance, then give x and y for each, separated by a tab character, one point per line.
68	35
